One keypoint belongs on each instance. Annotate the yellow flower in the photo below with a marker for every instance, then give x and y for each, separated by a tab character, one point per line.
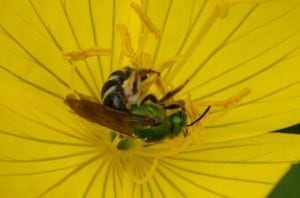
241	58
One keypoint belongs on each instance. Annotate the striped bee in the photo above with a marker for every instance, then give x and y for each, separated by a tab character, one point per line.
123	87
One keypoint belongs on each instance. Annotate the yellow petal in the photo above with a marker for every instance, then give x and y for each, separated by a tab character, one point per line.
222	47
241	168
256	47
36	34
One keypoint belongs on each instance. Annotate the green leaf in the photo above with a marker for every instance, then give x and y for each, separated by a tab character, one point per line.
289	186
292	129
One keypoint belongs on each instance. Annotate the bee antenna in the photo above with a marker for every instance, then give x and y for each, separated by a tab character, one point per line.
200	117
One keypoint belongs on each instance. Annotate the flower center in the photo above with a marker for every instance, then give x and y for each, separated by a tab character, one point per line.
145	142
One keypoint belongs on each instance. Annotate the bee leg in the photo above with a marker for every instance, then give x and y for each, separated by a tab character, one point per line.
144	72
173	106
185	132
199	117
150	97
148	77
171	93
137	85
178	104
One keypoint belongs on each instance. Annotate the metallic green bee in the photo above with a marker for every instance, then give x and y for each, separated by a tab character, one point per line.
170	125
150	120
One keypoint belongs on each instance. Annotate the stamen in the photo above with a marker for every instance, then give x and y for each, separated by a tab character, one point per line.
161	86
85	53
146	61
146	85
81	55
228	102
141	44
169	63
190	105
127	48
146	20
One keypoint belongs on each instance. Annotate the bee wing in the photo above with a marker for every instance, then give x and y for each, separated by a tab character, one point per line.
117	120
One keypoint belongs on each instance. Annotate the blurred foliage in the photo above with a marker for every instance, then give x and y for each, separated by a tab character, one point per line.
288	187
292	129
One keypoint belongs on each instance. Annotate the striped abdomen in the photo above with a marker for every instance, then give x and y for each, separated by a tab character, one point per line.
112	93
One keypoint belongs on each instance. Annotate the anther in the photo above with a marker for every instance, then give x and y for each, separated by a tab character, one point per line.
169	63
146	61
126	40
127	48
85	53
147	21
228	102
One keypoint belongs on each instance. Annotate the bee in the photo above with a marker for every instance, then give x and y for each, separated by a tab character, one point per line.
171	125
123	87
150	120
